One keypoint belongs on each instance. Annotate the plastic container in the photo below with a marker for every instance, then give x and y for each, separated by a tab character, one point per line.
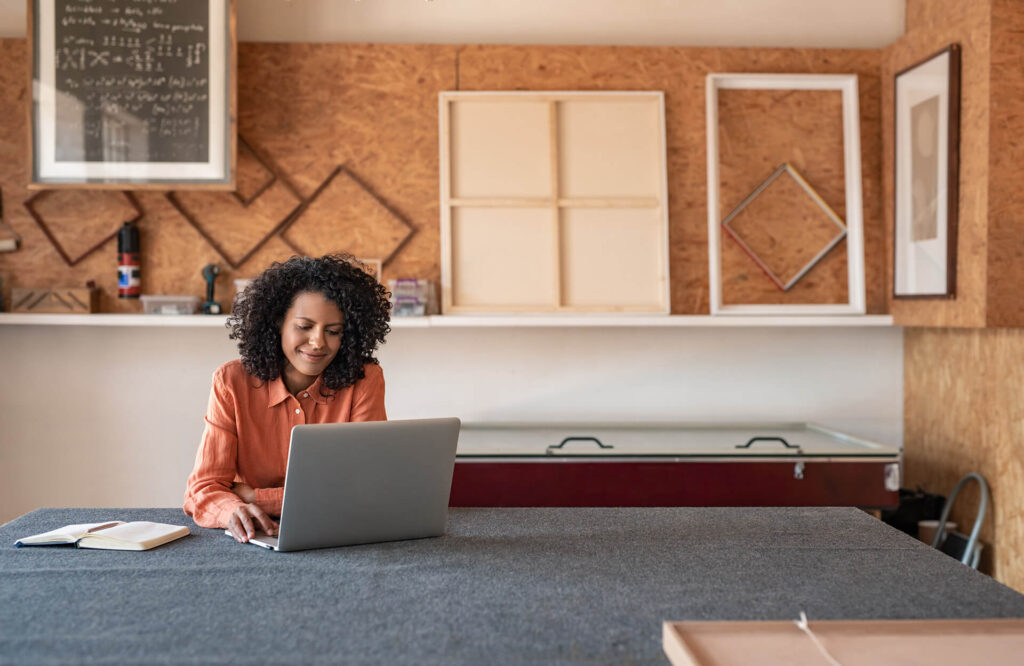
412	298
169	305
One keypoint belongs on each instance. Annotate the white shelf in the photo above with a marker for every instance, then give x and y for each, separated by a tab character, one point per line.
206	321
650	321
475	321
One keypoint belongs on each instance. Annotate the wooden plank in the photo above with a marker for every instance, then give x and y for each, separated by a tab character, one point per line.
488	202
848	642
556	215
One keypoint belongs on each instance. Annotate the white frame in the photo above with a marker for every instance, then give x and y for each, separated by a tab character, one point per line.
448	203
854	217
215	173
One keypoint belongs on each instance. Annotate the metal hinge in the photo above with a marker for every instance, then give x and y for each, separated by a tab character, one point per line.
892	477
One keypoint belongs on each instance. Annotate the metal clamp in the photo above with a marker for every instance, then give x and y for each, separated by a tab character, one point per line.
551	449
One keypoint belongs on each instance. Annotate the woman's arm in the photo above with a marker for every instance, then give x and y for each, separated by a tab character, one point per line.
267	499
208	495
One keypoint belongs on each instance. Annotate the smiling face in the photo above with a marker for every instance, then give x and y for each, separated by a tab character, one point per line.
310	339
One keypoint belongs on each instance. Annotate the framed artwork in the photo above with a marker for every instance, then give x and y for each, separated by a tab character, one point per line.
927	167
132	94
553	202
835	230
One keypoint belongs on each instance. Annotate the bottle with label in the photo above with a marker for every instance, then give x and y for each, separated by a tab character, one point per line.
129	282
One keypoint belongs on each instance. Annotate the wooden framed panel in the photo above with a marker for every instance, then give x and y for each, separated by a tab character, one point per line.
609	148
131	95
593	163
624	243
490	164
852	300
504	257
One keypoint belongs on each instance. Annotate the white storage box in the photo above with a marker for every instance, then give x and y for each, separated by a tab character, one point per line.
169	305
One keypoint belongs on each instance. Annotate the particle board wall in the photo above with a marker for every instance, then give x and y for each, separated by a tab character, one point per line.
930	27
305	109
964	412
962	386
990	236
681	73
1004	296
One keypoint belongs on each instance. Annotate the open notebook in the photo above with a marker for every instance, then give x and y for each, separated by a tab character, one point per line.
112	535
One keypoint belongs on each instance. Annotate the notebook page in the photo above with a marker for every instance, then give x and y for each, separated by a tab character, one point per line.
142	532
68	533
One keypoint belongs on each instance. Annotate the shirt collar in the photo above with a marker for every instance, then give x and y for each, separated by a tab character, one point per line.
278	392
314	391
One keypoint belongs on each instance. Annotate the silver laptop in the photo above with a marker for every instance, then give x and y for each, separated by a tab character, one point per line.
352	483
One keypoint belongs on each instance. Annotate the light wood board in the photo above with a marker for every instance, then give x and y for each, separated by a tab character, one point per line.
849	642
553	202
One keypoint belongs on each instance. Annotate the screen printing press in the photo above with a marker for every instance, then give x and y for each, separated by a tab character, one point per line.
743	464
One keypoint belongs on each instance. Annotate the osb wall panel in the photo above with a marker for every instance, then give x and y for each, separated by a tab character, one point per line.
681	73
933	25
304	109
1005	298
758	130
934	14
964	412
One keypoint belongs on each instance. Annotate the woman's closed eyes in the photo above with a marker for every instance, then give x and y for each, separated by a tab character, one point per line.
329	331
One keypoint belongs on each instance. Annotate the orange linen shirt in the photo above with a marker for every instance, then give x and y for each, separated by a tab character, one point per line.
248	432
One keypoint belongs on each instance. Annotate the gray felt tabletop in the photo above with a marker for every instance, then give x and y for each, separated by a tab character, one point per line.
504	586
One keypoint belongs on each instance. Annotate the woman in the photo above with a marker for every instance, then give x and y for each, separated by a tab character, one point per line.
307	330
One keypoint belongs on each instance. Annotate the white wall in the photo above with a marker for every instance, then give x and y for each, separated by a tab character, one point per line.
111	416
807	23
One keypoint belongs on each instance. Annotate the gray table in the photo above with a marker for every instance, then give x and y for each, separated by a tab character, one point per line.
504	586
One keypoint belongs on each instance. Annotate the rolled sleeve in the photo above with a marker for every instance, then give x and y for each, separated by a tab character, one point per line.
269	499
208	497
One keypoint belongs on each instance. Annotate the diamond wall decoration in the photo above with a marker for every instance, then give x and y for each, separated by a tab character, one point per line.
253	175
87	206
810	217
266	194
344	214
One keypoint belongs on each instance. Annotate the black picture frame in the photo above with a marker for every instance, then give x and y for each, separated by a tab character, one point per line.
926	171
132	95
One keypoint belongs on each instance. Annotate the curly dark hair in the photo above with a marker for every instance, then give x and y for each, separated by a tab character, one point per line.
259	312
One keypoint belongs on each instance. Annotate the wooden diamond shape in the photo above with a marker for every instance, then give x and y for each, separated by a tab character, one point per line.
345	215
253	174
79	222
239	224
785	227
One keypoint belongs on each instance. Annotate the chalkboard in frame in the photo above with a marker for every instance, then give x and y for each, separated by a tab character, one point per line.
132	94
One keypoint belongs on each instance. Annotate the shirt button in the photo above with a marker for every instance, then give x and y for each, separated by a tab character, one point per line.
298	411
305	395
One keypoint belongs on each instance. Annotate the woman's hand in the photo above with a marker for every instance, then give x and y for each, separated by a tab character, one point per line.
244	491
243	521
